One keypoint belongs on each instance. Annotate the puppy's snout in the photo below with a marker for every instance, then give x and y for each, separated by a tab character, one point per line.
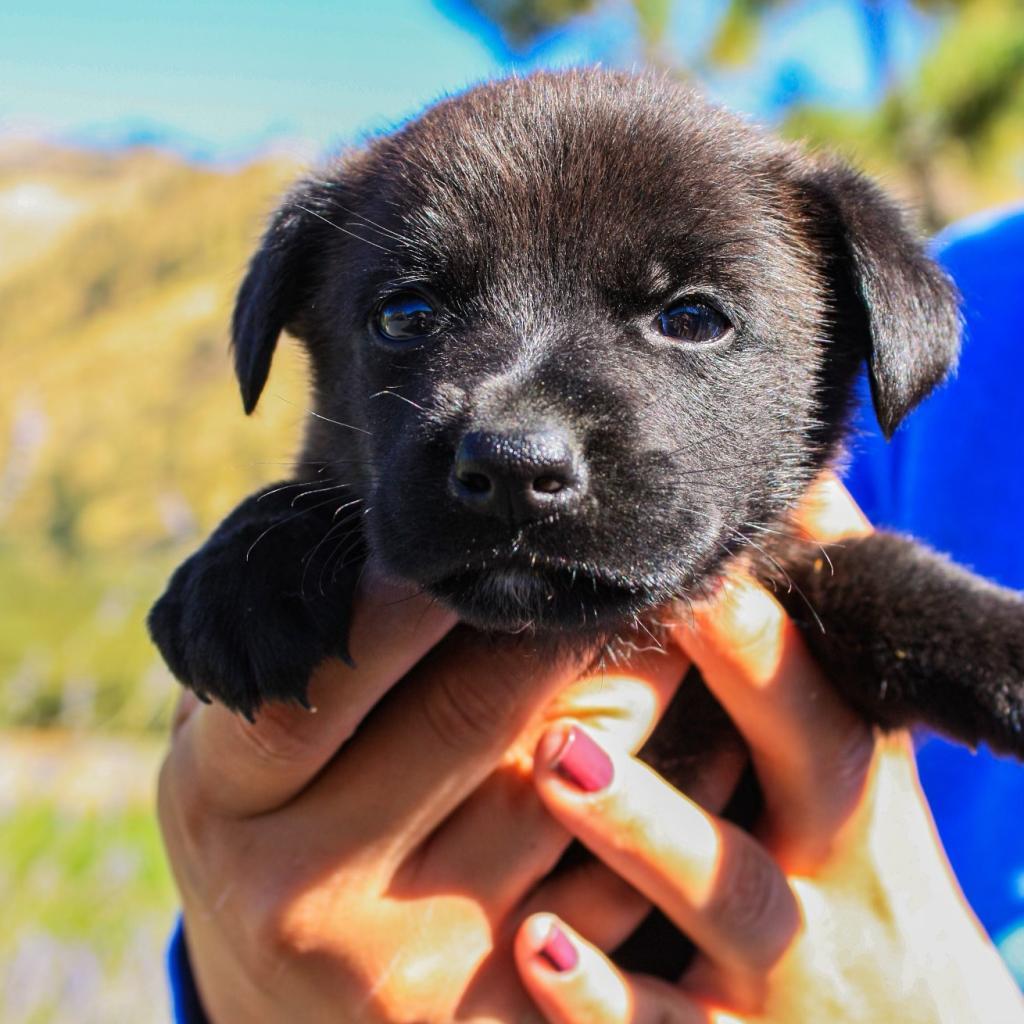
518	477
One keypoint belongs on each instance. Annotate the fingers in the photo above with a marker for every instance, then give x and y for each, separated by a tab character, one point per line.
713	880
236	768
811	752
599	903
429	745
572	982
501	841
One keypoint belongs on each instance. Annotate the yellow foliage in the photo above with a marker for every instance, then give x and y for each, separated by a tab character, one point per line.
115	345
122	437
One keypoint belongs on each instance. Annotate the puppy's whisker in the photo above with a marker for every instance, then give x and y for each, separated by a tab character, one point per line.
319	490
307	559
790	582
353	537
339	423
725	466
331	530
283	487
344	231
348	504
824	554
326	419
341	558
363	223
369	222
282	521
325	463
292	486
395	394
362	568
700	441
762	528
797	432
641	625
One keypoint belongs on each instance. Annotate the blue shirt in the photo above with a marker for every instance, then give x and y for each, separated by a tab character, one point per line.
952	476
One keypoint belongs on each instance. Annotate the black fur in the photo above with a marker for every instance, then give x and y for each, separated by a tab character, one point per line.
550	219
263	592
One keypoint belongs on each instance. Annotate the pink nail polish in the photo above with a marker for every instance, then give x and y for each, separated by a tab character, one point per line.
580	761
558	952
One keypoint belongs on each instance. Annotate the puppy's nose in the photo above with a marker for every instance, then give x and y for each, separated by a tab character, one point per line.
518	477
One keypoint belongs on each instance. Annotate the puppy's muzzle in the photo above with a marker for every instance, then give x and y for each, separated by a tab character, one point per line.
518	477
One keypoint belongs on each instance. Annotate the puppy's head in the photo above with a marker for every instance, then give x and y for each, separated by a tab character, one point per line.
593	334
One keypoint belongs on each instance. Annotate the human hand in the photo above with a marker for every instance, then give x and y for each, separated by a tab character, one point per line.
385	882
841	907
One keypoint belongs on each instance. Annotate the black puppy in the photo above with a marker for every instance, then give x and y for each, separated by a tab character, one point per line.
579	343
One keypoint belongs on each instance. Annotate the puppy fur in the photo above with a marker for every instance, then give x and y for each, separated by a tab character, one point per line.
548	221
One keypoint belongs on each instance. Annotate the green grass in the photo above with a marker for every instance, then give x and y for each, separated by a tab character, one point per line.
73	648
87	905
104	861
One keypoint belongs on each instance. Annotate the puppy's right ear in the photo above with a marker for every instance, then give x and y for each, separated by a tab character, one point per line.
273	292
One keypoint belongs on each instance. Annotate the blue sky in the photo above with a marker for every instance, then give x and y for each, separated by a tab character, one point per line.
230	74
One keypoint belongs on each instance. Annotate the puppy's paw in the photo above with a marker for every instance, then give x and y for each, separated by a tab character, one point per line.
226	639
251	614
912	639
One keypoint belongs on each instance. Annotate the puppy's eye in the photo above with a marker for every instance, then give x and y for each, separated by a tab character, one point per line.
693	321
405	316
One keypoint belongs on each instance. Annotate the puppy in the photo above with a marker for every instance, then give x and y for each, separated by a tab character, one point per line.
579	343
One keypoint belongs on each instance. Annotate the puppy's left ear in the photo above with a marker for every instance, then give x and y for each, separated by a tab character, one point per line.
274	292
899	304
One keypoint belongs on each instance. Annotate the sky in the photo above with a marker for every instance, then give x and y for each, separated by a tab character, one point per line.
223	76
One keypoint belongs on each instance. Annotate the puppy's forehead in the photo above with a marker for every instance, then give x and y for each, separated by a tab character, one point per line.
623	178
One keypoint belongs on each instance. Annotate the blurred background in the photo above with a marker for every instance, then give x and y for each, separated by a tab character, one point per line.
141	146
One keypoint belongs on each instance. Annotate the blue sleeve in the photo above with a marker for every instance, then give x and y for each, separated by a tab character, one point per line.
953	476
185	1005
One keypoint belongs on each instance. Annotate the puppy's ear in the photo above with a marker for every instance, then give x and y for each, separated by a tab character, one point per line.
898	303
273	292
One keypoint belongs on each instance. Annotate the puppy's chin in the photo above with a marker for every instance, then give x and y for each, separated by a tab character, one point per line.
512	599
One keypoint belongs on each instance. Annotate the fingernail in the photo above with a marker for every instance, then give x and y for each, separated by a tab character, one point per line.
558	952
577	759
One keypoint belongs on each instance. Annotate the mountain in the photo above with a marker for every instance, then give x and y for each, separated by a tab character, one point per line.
122	439
132	133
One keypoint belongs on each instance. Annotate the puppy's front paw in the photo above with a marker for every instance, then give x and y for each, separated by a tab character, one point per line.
250	615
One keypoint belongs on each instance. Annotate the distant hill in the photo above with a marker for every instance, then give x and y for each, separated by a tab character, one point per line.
122	439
